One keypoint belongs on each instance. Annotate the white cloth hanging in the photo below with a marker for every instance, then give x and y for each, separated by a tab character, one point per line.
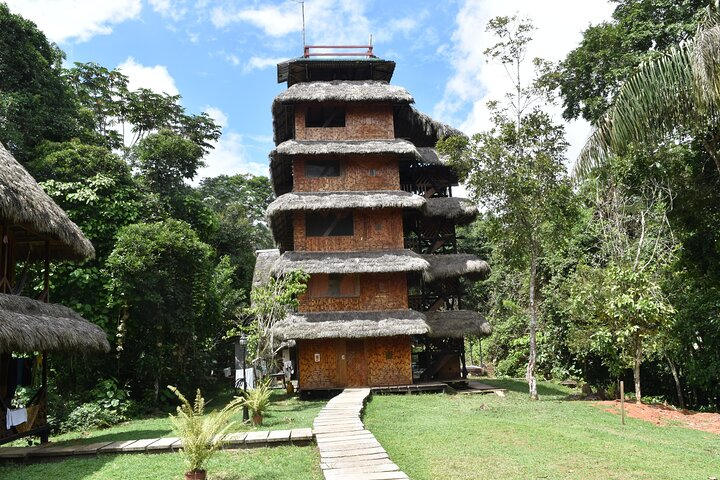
15	417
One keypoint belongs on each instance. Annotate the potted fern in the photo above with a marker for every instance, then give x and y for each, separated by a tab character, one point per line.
201	434
257	400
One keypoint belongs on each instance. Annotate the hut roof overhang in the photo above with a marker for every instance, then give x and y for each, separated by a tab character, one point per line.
344	91
373	199
460	210
25	205
264	260
28	325
454	265
313	69
457	324
419	128
362	324
385	261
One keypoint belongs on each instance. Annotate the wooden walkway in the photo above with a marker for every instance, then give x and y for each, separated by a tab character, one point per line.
297	436
347	450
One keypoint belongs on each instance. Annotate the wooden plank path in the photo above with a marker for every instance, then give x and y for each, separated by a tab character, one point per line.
347	450
297	436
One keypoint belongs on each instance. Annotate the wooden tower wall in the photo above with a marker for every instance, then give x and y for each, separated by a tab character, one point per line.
358	173
377	291
380	229
362	122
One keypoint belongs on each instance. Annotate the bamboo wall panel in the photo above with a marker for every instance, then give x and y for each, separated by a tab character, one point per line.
389	361
378	291
380	229
362	122
451	369
322	374
358	173
356	363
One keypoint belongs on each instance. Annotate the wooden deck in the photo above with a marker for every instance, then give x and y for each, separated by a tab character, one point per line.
347	450
413	388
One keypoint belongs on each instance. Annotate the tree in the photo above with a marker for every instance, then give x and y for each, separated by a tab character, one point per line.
36	103
675	93
161	278
516	170
610	52
270	303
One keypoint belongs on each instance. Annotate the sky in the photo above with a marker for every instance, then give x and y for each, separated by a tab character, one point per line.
221	55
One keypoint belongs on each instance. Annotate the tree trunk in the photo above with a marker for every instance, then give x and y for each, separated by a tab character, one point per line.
676	377
532	358
636	369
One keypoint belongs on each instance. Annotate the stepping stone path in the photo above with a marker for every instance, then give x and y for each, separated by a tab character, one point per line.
347	450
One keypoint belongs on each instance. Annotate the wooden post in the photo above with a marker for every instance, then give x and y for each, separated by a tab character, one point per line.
46	282
622	402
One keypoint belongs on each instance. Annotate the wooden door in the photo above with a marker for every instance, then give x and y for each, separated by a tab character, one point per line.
356	364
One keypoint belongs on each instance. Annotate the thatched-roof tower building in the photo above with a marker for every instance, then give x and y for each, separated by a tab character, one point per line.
34	228
364	205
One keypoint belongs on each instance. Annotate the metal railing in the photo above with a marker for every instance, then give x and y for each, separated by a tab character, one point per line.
366	51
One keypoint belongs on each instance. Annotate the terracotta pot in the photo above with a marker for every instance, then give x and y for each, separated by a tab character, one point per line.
196	475
257	419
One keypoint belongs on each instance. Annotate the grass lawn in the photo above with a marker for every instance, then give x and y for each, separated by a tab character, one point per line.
277	463
285	412
488	437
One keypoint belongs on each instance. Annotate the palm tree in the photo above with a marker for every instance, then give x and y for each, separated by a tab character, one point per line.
677	92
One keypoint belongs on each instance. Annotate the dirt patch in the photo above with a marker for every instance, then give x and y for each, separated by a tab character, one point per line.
662	415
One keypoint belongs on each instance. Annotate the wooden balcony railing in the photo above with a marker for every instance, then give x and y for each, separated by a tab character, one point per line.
360	51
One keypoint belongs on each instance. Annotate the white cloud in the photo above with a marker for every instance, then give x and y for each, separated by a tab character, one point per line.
174	10
156	78
63	20
260	63
231	157
218	115
474	81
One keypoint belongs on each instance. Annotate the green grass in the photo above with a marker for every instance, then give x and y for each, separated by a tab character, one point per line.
488	437
277	463
285	412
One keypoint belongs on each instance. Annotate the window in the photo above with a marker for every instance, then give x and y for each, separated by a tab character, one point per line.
334	285
322	168
329	224
324	117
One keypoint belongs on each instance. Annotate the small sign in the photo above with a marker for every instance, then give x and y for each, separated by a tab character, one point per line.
317	357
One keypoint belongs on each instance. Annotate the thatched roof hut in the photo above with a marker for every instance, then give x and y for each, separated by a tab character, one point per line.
363	324
460	210
34	215
27	325
457	324
350	262
454	265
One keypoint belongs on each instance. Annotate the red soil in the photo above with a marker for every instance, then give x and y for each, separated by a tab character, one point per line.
662	415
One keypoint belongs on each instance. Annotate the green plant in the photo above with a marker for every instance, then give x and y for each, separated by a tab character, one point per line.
258	400
201	434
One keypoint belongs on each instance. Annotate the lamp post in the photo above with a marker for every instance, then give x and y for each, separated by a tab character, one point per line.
243	347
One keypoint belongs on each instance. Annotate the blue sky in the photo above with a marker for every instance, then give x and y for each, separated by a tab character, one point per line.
221	55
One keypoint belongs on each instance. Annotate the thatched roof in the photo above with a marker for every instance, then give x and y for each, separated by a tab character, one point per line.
350	262
461	210
27	325
264	260
431	156
291	148
384	323
419	128
23	202
454	265
344	91
457	324
343	200
310	69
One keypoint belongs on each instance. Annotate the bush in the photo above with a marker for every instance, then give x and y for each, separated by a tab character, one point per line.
109	405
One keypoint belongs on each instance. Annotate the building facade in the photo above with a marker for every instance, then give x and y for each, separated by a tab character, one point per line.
364	206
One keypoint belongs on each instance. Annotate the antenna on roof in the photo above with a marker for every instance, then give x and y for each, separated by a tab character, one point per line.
302	8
